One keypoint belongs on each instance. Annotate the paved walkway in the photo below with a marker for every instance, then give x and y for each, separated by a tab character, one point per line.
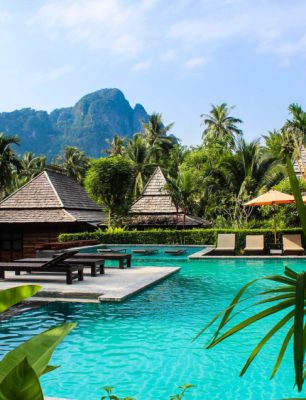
115	285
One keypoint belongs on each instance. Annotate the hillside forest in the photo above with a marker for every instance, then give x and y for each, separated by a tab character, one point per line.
212	180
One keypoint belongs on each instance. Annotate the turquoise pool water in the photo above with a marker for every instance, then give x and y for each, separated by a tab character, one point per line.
144	346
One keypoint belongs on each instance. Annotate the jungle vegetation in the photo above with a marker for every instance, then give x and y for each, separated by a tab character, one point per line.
212	180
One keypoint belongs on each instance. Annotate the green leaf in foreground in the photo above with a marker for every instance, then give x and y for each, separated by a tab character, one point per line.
21	383
290	297
15	295
38	351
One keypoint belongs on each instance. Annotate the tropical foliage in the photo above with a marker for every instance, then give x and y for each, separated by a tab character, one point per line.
218	176
288	300
8	161
74	163
109	182
116	146
220	125
109	390
21	368
139	153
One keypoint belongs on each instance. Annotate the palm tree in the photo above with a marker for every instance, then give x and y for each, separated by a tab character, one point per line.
175	159
292	137
172	187
298	120
247	172
8	160
250	169
74	162
220	125
156	135
181	190
139	152
31	165
286	144
116	146
290	297
273	142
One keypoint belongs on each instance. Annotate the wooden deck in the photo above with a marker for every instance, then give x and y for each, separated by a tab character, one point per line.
115	285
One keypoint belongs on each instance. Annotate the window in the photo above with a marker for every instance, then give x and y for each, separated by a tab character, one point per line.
11	241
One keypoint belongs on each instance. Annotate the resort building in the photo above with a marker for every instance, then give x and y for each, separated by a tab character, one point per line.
155	208
50	204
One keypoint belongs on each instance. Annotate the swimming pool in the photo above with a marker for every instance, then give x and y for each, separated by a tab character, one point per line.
144	346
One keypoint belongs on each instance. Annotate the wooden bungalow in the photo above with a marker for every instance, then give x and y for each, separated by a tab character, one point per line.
50	204
155	208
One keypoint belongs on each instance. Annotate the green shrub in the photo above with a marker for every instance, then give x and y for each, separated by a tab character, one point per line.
172	236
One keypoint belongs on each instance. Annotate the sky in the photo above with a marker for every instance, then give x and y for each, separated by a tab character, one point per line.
176	57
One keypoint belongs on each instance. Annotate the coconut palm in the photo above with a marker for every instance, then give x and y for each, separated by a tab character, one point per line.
74	162
175	159
116	146
8	160
247	172
286	145
156	135
31	165
290	297
221	125
139	152
250	169
290	139
181	190
172	187
298	120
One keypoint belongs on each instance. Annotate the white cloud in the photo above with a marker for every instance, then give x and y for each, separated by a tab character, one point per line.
113	25
196	31
196	62
142	66
173	32
268	26
169	56
53	74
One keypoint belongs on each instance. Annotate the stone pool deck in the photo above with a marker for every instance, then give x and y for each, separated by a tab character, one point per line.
115	285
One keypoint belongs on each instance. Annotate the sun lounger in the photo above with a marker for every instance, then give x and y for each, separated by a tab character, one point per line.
124	259
177	252
254	244
94	265
57	264
292	245
225	244
146	252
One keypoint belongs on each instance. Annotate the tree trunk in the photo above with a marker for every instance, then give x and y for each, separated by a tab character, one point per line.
294	183
184	212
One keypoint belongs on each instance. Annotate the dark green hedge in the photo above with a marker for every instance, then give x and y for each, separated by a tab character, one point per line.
167	236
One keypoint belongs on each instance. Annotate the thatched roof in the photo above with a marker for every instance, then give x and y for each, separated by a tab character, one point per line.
164	220
51	197
154	198
299	164
155	206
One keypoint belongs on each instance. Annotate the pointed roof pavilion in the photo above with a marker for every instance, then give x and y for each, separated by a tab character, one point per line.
51	197
155	208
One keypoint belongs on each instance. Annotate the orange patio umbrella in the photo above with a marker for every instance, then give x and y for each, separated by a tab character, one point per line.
271	198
